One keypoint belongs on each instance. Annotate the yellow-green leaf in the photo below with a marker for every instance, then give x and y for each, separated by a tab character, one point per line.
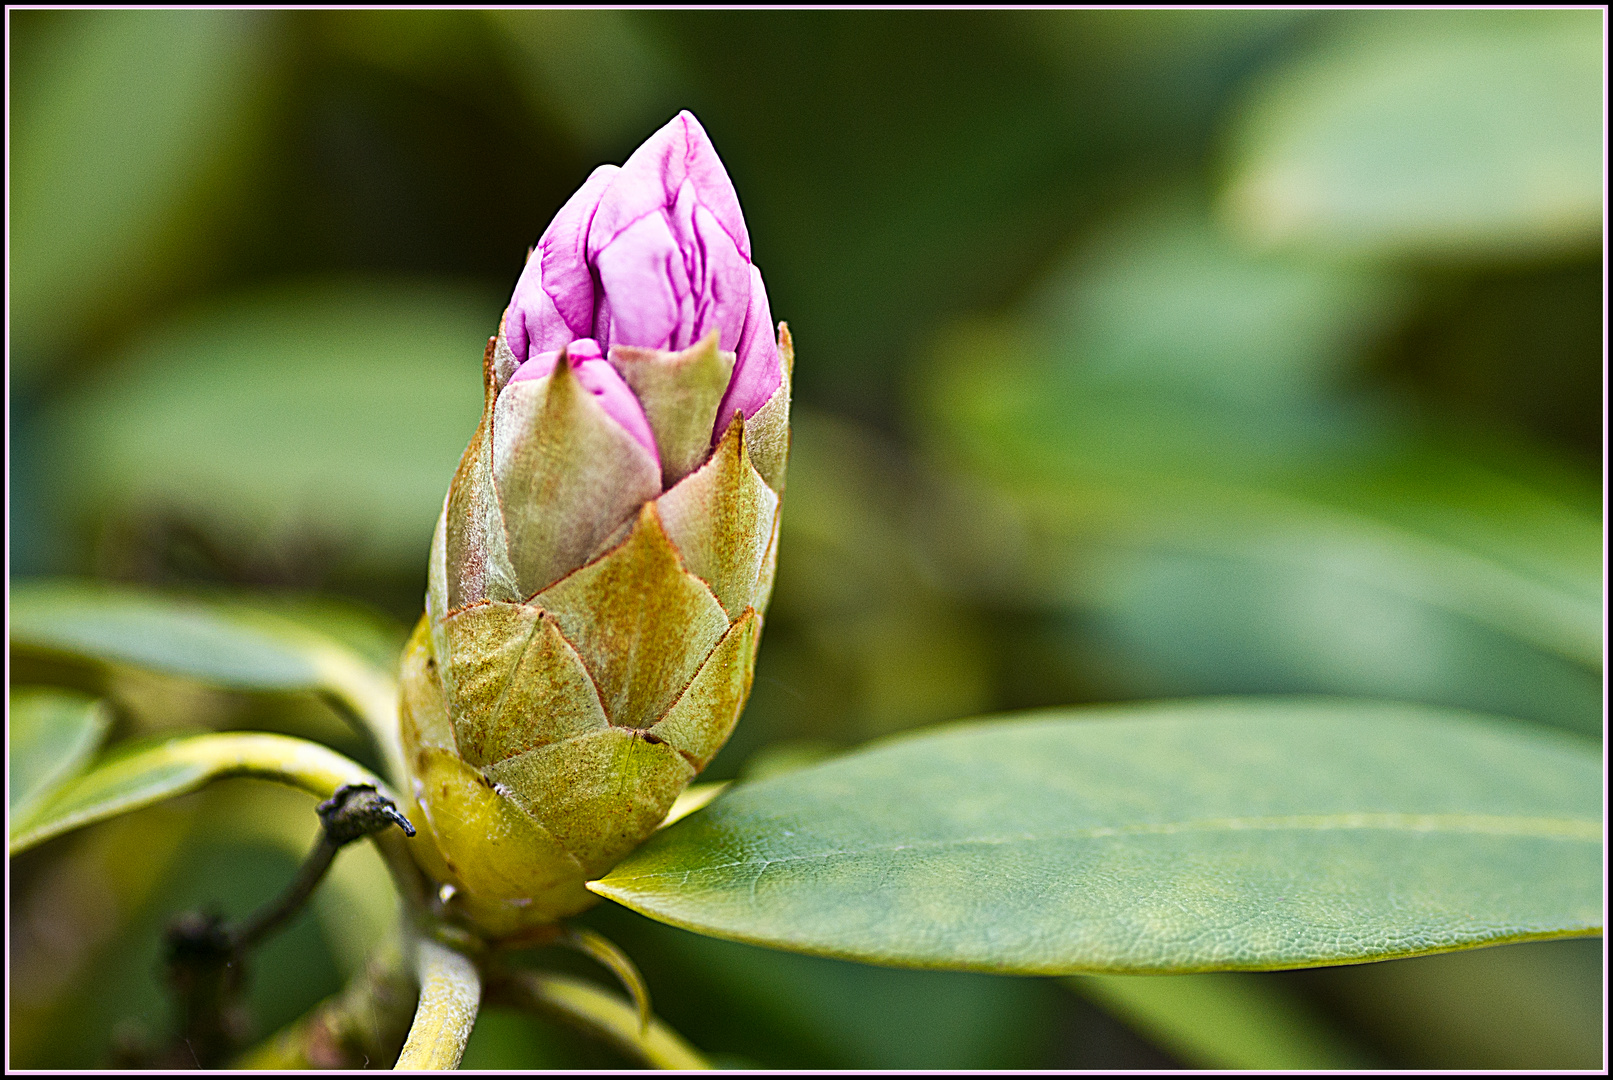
50	735
239	645
132	131
131	777
1225	1020
1406	559
348	448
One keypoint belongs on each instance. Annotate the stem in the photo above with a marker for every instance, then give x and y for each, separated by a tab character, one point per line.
597	1012
450	993
411	883
269	918
352	813
205	976
206	959
296	762
603	950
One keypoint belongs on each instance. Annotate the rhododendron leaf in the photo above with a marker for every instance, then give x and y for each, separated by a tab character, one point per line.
51	735
1430	134
134	776
1194	836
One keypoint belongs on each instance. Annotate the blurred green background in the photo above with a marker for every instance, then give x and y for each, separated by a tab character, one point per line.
1141	354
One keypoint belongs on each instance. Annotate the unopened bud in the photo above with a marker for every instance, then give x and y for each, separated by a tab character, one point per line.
606	550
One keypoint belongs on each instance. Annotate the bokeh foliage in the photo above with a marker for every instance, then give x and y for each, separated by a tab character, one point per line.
1142	354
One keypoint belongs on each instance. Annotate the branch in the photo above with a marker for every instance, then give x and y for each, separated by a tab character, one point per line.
601	949
596	1012
352	813
450	993
206	960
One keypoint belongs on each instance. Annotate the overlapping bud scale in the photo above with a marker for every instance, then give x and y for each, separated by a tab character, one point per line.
606	550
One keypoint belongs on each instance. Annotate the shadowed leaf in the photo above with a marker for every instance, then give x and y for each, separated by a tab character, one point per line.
50	736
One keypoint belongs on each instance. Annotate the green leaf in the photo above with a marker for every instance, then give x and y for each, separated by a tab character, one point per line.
273	646
134	776
1362	553
1433	133
208	642
1537	1005
51	735
1162	298
366	632
346	452
132	130
693	798
1507	536
1199	836
1225	1020
788	1011
600	74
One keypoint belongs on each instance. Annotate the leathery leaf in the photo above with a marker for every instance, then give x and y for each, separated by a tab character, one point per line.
51	735
137	775
1190	836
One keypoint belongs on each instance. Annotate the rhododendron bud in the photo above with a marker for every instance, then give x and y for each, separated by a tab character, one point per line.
606	550
653	255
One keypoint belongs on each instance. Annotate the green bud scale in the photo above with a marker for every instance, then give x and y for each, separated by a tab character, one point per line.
589	637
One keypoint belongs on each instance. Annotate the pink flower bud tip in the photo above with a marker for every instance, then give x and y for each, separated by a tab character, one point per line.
652	254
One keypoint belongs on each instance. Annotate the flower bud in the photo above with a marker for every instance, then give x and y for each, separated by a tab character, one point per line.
606	550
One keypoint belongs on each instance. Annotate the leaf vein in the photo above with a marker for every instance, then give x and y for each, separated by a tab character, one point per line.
1480	824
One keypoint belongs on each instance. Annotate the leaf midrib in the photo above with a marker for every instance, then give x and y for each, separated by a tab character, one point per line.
1479	824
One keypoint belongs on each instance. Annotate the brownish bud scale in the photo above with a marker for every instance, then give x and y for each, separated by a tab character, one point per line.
591	625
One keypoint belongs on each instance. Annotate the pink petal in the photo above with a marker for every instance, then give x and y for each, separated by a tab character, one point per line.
758	369
653	254
531	323
644	286
724	289
650	180
554	299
